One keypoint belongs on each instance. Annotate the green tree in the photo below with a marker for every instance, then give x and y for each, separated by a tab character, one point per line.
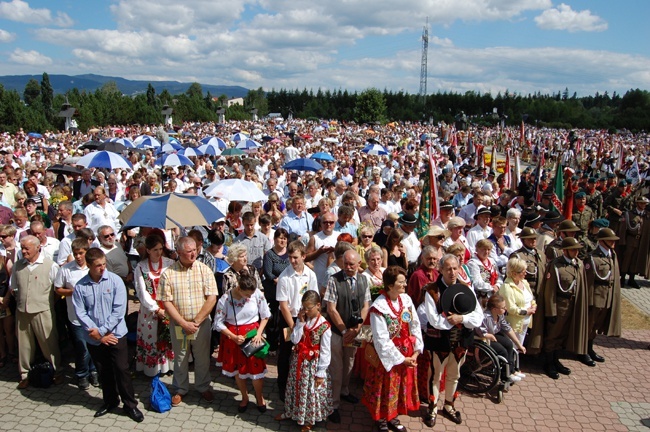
47	96
151	95
195	91
32	92
110	88
370	106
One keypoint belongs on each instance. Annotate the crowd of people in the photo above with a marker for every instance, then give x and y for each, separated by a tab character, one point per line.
330	269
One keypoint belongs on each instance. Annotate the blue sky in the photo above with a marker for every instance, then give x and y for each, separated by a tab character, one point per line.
474	45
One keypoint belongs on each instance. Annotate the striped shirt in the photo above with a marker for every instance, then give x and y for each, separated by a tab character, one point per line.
187	287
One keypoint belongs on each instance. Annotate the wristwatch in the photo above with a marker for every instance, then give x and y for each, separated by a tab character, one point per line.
344	331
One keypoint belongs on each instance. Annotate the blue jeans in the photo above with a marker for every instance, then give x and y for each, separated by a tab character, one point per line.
83	364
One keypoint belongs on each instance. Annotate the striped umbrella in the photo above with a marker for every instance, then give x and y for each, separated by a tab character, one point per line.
208	149
215	141
239	136
146	141
190	152
173	159
104	159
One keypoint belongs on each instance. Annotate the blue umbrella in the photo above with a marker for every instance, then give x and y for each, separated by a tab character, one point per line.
322	156
104	159
375	149
211	150
239	137
146	141
34	135
214	141
169	211
248	144
303	164
169	148
173	140
173	159
124	141
190	151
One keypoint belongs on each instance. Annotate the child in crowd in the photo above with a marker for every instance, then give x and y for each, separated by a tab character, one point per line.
308	398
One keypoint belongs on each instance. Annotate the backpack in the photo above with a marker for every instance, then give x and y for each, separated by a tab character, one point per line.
41	375
161	400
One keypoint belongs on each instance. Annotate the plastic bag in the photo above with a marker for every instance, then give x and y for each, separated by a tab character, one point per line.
161	400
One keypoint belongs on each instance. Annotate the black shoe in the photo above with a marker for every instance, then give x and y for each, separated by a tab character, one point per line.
105	409
335	417
134	414
94	379
551	370
586	360
632	283
382	425
430	419
593	355
83	383
350	398
450	413
561	368
396	426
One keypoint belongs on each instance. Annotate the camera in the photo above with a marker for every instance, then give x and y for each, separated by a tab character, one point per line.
355	317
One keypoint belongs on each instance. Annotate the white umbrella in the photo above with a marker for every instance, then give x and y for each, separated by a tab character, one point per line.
235	190
104	159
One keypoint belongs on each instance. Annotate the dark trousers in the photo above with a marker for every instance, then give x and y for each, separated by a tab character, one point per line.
112	363
504	347
284	357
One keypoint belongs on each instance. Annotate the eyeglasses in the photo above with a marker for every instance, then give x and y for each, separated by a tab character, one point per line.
367	236
329	222
109	235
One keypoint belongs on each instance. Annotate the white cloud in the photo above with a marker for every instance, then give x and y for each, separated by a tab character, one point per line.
29	58
5	36
20	11
565	18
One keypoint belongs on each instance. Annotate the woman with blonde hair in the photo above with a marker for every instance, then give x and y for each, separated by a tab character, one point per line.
520	301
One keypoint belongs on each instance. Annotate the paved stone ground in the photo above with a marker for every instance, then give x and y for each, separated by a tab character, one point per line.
613	396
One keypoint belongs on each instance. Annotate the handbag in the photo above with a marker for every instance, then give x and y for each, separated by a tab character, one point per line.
247	348
160	399
41	375
370	354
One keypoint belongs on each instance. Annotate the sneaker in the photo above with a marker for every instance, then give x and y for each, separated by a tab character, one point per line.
83	383
520	374
514	378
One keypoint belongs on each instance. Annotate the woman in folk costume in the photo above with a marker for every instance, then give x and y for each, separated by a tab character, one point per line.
390	388
308	397
464	273
154	352
484	272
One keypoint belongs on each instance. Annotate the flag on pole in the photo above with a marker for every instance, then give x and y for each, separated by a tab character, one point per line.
522	138
429	205
507	174
493	162
538	176
470	144
558	187
517	172
620	159
567	209
480	158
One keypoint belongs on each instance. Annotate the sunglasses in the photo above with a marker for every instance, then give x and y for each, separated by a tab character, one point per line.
4	236
367	236
109	235
329	222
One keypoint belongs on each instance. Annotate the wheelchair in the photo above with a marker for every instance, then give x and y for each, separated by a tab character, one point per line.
484	372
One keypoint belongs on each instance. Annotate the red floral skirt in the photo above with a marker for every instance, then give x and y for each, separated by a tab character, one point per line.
389	394
233	362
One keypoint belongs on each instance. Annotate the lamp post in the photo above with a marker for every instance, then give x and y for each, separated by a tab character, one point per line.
167	112
221	112
253	112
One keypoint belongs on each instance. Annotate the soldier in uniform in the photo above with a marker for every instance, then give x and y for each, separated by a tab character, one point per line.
594	197
634	231
565	309
613	205
567	228
546	233
591	242
582	214
535	264
604	291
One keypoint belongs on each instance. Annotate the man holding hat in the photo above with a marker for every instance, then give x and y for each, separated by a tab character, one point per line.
453	312
565	309
582	214
546	233
613	205
567	228
634	231
604	290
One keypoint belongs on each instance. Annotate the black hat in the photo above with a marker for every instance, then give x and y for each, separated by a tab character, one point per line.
548	193
495	211
482	210
532	218
407	219
446	205
458	299
553	216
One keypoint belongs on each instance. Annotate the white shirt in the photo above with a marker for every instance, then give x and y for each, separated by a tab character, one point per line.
98	216
471	321
51	249
325	353
412	245
67	278
320	263
475	234
248	311
292	286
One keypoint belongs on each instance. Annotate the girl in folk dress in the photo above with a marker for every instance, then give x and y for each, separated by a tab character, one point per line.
390	388
154	353
308	397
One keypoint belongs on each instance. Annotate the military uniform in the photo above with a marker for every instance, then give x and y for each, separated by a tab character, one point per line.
591	243
545	236
595	202
553	249
582	219
634	231
604	293
614	200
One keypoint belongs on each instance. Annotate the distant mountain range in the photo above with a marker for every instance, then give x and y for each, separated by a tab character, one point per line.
90	82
